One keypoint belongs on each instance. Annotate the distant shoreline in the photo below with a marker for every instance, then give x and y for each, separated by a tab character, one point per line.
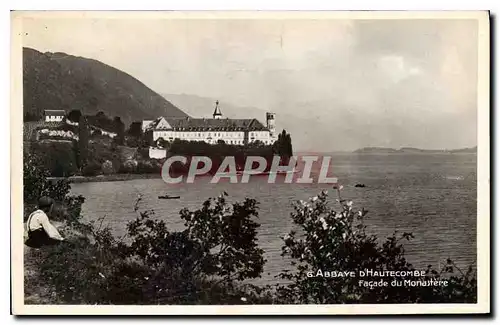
106	178
410	150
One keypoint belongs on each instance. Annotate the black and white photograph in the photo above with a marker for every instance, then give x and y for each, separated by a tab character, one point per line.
250	162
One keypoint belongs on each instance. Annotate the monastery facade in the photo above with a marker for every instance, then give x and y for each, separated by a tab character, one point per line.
213	130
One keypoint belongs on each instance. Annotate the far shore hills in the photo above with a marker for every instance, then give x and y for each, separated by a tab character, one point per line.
383	150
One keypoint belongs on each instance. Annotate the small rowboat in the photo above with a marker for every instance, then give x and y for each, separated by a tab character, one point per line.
168	197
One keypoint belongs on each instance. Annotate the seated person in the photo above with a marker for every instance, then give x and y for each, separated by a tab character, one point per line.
40	231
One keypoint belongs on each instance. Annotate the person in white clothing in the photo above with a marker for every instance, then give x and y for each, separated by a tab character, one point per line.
40	231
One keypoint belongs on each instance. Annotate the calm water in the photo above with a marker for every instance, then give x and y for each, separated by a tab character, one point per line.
432	196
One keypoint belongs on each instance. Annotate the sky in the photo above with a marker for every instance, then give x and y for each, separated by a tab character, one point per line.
358	83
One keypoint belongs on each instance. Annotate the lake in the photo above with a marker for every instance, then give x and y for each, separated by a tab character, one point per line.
431	195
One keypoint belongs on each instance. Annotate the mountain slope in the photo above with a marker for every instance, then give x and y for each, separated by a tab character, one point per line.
62	81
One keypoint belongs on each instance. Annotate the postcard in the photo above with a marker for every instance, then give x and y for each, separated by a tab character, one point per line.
250	163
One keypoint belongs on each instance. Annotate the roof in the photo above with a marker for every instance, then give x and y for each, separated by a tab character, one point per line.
217	111
57	112
208	124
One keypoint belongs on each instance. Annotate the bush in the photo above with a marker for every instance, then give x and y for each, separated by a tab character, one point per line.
107	167
128	166
151	166
204	263
93	168
132	142
337	241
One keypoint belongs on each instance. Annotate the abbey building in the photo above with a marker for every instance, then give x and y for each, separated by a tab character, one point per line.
213	130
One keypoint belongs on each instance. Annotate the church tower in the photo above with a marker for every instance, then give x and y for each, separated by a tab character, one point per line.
217	113
271	126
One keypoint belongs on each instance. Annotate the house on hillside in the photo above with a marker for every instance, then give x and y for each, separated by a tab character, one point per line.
54	115
213	130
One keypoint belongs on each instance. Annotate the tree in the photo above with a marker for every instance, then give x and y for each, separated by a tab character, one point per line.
101	114
119	129
74	115
30	117
288	145
147	140
135	130
83	142
35	183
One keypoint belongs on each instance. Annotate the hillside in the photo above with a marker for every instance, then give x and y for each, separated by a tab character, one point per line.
62	81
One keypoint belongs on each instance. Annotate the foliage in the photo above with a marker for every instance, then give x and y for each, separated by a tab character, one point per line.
283	145
100	152
74	115
148	138
35	183
83	142
101	121
57	158
337	241
135	129
107	167
66	127
150	166
31	117
128	166
132	141
93	168
97	132
119	129
232	232
204	263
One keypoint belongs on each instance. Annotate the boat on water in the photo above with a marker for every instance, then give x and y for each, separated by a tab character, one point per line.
166	197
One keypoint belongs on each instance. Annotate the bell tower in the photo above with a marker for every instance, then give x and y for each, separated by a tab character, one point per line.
270	123
217	114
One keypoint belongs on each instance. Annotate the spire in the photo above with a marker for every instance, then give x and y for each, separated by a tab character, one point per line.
217	112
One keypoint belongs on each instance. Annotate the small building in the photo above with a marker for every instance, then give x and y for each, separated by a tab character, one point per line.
54	115
157	153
